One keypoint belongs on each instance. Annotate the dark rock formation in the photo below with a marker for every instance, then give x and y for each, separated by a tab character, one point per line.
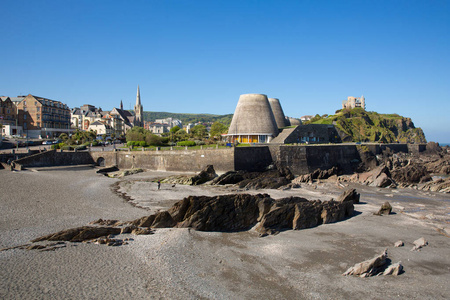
439	185
226	213
159	220
385	209
413	173
317	174
349	195
79	234
107	170
207	174
220	213
230	177
105	222
142	231
269	179
382	181
242	211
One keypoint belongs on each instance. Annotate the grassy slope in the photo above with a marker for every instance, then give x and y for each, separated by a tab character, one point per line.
359	125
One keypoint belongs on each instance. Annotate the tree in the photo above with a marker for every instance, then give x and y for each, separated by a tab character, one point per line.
136	134
153	140
198	131
64	137
217	129
181	135
174	129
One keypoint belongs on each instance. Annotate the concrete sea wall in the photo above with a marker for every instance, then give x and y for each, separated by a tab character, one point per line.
301	159
55	158
305	159
176	160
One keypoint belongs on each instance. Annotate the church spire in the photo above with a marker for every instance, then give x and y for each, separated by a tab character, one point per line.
138	97
121	104
138	110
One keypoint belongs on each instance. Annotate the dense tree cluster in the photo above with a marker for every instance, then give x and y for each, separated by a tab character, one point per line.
139	134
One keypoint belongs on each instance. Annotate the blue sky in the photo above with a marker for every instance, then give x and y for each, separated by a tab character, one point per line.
199	56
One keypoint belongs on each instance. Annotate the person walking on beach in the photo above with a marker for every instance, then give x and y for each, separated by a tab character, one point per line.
159	184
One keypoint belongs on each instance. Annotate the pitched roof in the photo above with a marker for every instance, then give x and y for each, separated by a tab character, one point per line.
96	123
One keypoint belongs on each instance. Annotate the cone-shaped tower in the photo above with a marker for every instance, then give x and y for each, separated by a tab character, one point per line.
253	120
278	112
294	122
138	110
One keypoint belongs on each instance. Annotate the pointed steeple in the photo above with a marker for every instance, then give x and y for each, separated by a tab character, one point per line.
138	97
138	109
121	104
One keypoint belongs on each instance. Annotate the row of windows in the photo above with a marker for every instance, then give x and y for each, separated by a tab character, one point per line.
48	103
5	110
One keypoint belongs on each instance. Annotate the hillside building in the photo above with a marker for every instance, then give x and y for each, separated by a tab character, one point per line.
101	128
40	117
8	117
353	102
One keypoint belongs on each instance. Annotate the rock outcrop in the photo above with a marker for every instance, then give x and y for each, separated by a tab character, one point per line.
385	209
269	179
413	173
369	267
79	234
243	211
227	213
419	243
207	174
349	195
379	265
317	174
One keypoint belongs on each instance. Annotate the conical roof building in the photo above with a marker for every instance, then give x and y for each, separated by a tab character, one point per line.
278	112
253	120
295	122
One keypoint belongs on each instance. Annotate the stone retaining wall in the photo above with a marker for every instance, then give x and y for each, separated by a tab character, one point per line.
175	160
301	159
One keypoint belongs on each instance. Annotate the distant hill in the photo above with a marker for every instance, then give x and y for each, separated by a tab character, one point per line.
358	125
151	116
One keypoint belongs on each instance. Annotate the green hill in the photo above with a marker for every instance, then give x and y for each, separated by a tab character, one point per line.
358	125
151	116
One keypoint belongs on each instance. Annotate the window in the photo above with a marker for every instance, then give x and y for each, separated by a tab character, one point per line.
8	111
25	108
24	103
38	109
35	102
24	125
24	117
38	117
38	124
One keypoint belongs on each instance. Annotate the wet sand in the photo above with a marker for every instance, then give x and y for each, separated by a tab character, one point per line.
185	264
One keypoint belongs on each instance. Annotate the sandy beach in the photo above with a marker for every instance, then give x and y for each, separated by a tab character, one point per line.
187	264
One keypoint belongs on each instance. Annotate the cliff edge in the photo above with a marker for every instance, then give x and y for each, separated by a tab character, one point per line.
358	125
